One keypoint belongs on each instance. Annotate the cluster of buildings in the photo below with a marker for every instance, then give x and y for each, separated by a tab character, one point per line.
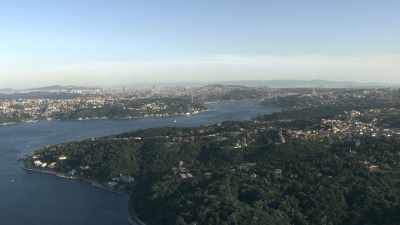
38	162
32	109
121	180
182	171
50	166
45	108
349	126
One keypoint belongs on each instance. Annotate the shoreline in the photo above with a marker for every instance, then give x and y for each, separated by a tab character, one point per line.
132	219
80	179
8	124
33	121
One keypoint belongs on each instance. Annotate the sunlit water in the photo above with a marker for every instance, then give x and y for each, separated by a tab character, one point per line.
37	199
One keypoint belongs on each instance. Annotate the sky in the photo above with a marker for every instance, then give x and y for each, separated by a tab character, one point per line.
123	42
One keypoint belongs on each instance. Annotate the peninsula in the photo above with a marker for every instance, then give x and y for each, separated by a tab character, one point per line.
324	162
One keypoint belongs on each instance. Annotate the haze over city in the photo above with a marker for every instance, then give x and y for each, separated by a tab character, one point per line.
124	42
199	112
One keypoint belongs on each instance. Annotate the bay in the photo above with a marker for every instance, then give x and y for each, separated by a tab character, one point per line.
37	199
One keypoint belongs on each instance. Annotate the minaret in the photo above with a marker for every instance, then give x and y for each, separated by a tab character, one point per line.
191	105
314	92
282	137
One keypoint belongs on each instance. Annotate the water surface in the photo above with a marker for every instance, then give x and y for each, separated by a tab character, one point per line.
37	199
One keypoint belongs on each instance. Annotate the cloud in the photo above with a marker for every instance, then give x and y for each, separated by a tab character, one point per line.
211	68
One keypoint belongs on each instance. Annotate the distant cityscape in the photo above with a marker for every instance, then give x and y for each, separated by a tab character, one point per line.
321	138
86	103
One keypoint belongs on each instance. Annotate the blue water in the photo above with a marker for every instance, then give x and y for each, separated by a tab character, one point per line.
37	199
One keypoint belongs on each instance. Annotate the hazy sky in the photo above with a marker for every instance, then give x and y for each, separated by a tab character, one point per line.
114	42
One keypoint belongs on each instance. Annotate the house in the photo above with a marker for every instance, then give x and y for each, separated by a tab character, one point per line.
112	184
62	157
277	172
127	179
72	172
37	163
52	165
373	168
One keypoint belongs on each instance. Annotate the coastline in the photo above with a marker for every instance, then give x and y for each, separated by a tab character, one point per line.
132	218
5	124
127	216
80	179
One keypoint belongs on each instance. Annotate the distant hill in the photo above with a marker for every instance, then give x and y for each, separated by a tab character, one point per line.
50	91
60	88
7	90
37	95
220	85
226	87
273	84
310	84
